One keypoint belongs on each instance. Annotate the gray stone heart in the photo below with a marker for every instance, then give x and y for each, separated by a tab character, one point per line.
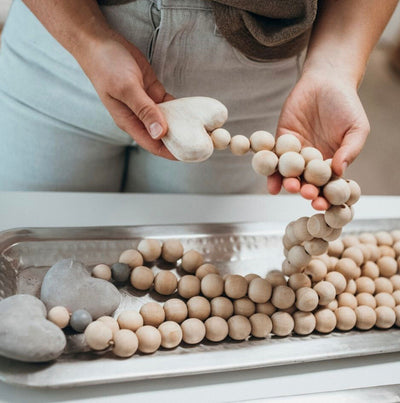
25	333
68	283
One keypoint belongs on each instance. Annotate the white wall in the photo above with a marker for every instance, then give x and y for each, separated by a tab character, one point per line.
4	6
391	35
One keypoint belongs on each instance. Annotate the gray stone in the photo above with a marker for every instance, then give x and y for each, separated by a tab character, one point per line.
68	283
25	333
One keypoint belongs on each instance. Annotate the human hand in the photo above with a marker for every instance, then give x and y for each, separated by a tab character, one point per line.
324	111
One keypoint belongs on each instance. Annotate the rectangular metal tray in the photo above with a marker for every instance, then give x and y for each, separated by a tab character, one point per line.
26	254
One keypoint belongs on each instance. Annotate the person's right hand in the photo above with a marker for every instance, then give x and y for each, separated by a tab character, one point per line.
129	89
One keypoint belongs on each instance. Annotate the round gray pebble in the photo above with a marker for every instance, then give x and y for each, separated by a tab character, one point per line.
120	272
80	319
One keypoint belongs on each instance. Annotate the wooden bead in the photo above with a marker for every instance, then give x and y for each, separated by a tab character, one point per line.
311	153
153	314
385	299
262	140
370	269
299	280
345	318
337	192
149	339
172	250
396	297
222	307
316	270
347	299
261	325
338	216
291	310
285	143
175	310
316	246
267	308
102	271
338	280
220	138
291	164
171	334
131	257
193	331
150	249
355	192
334	235
235	286
304	323
365	284
283	297
110	322
385	317
324	258
191	261
204	269
366	299
98	336
240	145
365	251
366	317
289	269
383	284
333	305
216	329
189	286
298	256
259	290
396	248
354	253
395	235
317	172
351	287
397	313
374	252
282	324
199	308
318	227
367	238
336	248
395	280
306	299
244	306
300	230
264	162
384	238
386	250
251	276
348	268
387	266
212	285
326	292
332	263
131	320
165	282
59	315
239	327
275	278
289	234
125	343
325	321
350	240
142	278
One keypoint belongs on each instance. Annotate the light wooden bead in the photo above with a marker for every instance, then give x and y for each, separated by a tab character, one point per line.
306	299
262	140
175	310
222	307
355	192
289	233
275	278
338	216
366	299
385	317
370	269
142	278
347	299
304	323
131	320
346	318
288	243
325	321
300	230
387	266
283	297
337	192
239	327
326	292
150	249
384	238
316	246
299	280
264	162
125	343
367	238
102	271
191	261
365	250
354	253
220	138
386	250
216	329
199	308
366	317
289	269
334	235
189	286
244	306
110	322
204	269
59	315
193	331
172	250
336	248
348	268
396	296
98	336
287	142
338	280
311	153
235	286
395	280
385	299
282	323
383	284
317	172
324	258
261	325
267	308
259	290
291	310
318	227
375	252
149	339
298	257
395	235
171	334
251	276
316	269
396	248
165	282
131	257
365	284
240	145
397	313
333	305
352	287
153	314
212	285
332	263
291	164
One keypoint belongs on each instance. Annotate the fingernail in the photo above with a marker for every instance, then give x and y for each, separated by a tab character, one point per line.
155	130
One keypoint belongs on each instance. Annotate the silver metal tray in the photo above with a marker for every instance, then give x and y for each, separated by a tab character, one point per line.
26	254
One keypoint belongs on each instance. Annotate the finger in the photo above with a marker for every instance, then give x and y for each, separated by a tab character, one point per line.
309	191
274	183
320	204
291	185
156	92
